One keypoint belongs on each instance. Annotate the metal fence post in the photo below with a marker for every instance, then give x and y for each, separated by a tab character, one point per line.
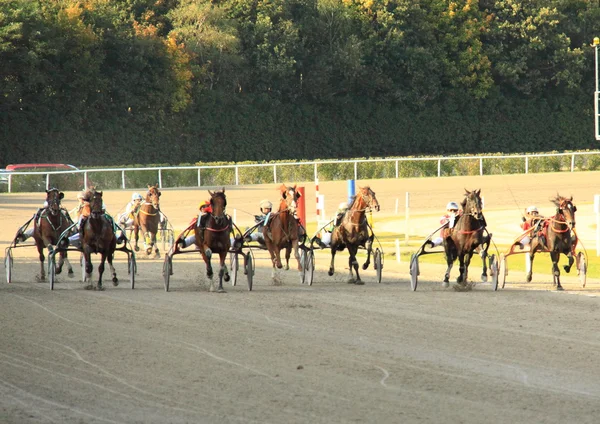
237	176
274	174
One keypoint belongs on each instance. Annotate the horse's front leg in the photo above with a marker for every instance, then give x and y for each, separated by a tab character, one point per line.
468	257
369	247
222	271
569	255
288	254
69	267
461	269
529	264
154	244
88	269
42	276
136	234
555	269
353	264
450	264
113	272
333	251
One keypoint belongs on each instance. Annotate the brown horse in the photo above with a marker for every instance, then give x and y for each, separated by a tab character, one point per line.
147	219
556	235
467	235
97	236
282	229
212	236
354	232
51	223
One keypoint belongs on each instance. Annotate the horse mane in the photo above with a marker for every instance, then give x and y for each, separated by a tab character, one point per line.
558	200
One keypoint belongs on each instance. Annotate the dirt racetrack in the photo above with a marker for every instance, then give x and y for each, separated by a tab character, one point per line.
329	353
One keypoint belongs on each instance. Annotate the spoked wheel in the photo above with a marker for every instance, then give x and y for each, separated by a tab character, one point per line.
8	265
502	270
167	270
414	271
51	270
494	271
249	270
308	266
378	263
132	269
582	268
234	266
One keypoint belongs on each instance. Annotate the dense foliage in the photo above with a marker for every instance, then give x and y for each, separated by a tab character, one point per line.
109	82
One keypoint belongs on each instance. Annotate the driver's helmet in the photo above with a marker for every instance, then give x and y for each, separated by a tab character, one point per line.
136	196
532	210
204	204
265	206
80	196
452	207
342	207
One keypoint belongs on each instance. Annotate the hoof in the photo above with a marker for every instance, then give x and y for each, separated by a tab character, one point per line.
137	248
559	288
279	266
100	287
446	284
330	272
89	287
483	278
359	282
221	290
365	266
287	267
567	268
528	279
71	274
209	275
226	277
115	281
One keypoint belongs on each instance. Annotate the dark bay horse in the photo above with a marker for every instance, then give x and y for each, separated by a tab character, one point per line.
147	220
556	235
52	222
354	232
467	235
97	236
282	229
213	237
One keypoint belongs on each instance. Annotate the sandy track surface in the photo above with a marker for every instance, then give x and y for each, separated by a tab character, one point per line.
331	352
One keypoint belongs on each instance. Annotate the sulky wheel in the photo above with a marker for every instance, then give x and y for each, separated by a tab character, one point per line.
249	270
494	271
308	267
502	270
167	270
8	265
378	264
51	270
234	266
414	271
132	270
582	268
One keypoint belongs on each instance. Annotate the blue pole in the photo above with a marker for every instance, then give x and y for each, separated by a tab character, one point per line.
351	191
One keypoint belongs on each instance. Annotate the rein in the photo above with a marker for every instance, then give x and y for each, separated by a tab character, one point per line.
560	221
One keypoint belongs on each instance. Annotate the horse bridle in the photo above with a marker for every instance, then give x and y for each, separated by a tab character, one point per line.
564	205
94	212
219	218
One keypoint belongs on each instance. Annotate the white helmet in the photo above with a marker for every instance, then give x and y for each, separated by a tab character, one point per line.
342	206
80	195
452	206
136	196
266	204
531	209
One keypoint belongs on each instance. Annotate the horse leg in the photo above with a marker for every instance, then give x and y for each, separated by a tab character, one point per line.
461	269
42	276
333	251
115	280
369	247
69	267
555	269
484	259
353	262
99	286
288	254
529	264
450	264
567	268
154	244
136	233
88	270
222	272
468	257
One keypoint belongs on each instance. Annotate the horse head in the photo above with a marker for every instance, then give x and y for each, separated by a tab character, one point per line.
53	198
289	198
153	196
365	199
471	204
96	204
565	209
218	203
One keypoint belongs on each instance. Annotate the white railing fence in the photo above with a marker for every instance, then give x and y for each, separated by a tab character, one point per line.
261	173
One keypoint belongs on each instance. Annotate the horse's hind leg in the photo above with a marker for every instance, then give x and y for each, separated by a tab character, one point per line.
288	254
222	272
529	265
353	264
555	270
99	286
69	267
88	271
42	276
331	267
450	264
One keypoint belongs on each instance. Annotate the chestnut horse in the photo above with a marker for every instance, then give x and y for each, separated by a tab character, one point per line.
97	236
282	229
467	235
557	235
354	231
52	222
147	219
213	237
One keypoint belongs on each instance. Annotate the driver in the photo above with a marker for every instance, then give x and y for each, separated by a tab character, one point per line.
266	207
447	220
